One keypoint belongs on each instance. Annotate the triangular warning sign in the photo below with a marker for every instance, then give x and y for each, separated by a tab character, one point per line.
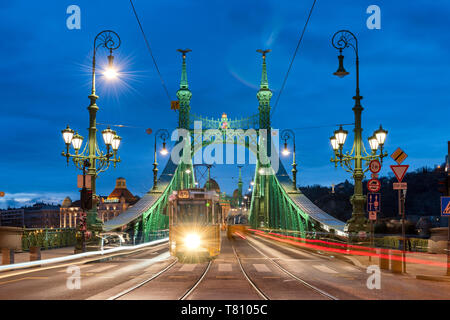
399	171
447	209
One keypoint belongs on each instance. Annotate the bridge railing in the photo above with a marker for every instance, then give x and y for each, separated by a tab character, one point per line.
49	238
330	240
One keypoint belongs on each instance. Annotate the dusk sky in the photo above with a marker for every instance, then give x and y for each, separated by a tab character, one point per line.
45	82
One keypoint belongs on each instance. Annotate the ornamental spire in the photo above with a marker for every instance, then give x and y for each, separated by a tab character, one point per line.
184	82
264	80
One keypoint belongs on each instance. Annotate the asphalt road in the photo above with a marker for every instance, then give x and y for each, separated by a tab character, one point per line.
270	270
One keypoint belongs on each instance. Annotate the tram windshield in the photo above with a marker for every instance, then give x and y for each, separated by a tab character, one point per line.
193	212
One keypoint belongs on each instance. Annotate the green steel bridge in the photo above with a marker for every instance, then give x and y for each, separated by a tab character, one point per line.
275	203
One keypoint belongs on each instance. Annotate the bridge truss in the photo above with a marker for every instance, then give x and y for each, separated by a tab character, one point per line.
275	204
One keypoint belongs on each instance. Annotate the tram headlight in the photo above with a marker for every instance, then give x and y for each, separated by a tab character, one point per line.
192	241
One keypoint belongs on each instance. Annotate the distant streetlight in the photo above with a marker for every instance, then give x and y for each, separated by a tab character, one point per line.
286	135
161	134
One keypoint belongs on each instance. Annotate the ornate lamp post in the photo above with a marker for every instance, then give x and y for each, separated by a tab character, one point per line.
286	135
163	135
341	40
99	161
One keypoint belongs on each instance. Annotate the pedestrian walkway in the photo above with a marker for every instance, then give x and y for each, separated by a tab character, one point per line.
420	265
45	254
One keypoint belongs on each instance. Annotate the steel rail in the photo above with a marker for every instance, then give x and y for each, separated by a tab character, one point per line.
329	296
188	293
121	294
261	294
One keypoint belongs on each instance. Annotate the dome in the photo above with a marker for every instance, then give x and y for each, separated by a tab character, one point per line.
213	185
67	202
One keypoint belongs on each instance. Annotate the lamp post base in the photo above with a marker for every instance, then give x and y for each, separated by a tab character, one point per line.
356	224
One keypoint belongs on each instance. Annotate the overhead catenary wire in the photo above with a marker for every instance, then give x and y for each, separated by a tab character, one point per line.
325	126
150	50
293	57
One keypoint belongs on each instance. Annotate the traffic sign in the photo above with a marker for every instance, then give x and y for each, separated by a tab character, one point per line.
2	194
372	215
373	202
400	171
399	156
400	185
445	206
87	181
374	185
374	166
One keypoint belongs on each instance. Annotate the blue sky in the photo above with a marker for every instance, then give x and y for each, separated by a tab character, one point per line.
45	82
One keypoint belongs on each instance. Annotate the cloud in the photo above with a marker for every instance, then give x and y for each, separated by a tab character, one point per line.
13	200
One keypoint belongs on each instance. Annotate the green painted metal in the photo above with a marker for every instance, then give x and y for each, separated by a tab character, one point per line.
156	218
272	205
48	238
184	95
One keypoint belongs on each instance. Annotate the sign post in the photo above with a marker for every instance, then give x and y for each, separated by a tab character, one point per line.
400	170
86	202
445	207
373	199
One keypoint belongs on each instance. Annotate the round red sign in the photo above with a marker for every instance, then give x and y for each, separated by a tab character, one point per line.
374	166
374	185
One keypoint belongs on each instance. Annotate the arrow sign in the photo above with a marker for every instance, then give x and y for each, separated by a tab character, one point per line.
373	202
399	171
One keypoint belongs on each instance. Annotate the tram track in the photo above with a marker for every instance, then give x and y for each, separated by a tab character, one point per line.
300	280
164	271
252	283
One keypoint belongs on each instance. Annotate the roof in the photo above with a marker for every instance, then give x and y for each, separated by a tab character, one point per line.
122	192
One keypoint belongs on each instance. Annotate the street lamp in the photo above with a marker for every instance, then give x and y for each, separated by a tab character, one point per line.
163	135
341	40
286	135
99	161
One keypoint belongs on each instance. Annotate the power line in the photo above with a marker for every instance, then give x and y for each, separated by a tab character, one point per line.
150	50
325	126
293	57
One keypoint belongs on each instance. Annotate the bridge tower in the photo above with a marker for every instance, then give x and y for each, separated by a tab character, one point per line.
184	94
264	95
260	208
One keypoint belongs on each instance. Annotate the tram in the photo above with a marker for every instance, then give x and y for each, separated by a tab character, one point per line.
195	218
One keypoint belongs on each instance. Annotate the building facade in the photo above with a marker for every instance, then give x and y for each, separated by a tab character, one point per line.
70	213
40	215
118	201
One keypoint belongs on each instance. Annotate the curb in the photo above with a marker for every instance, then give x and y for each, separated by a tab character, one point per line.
433	278
40	263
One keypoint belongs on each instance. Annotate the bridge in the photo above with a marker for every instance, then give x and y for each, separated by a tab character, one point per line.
276	203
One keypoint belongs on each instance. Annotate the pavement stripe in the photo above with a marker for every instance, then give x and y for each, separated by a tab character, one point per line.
187	268
261	267
21	279
152	261
75	265
103	268
225	277
352	269
225	267
324	269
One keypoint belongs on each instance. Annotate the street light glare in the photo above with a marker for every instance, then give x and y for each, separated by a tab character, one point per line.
164	151
110	73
